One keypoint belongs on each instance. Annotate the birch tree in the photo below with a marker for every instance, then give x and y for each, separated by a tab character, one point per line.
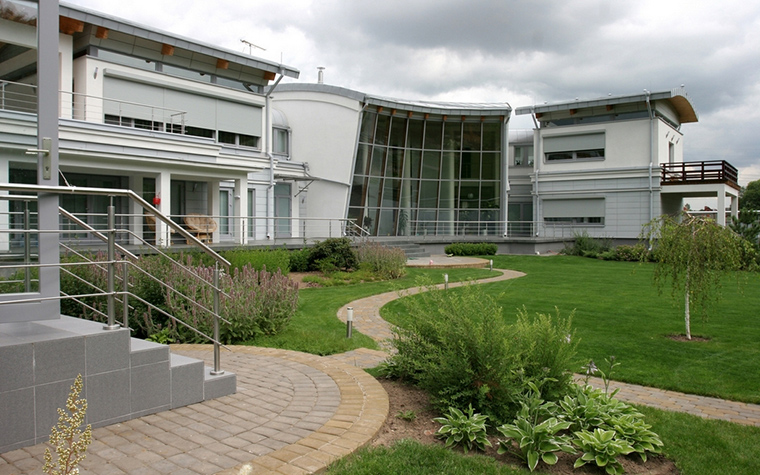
692	254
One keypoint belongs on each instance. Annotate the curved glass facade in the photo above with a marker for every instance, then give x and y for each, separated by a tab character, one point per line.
427	175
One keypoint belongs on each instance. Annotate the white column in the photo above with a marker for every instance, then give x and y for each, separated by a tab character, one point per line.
721	214
164	192
240	210
136	220
213	201
735	206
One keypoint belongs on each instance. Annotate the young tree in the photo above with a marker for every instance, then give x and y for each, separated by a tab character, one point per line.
693	254
750	197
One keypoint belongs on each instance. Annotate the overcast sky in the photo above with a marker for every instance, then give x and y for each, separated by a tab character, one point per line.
518	51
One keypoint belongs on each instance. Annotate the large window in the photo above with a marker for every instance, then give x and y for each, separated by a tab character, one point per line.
416	176
281	143
574	147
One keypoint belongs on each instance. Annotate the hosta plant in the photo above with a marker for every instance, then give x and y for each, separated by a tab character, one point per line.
638	434
536	441
601	447
468	429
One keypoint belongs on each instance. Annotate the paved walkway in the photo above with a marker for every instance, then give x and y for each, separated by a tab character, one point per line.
293	413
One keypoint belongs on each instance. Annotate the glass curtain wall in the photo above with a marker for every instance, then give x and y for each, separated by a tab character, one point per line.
419	176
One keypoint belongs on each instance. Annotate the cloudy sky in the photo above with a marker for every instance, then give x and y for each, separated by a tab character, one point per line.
518	51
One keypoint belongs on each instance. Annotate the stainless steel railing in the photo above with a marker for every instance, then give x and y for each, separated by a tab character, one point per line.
111	263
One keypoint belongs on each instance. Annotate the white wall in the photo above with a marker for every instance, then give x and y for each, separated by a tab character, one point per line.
324	131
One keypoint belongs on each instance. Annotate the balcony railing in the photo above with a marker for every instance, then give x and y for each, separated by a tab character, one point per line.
694	173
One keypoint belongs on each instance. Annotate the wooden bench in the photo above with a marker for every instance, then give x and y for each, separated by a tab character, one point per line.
202	226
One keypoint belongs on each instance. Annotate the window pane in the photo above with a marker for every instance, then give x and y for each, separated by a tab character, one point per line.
471	165
368	127
391	189
489	194
469	195
378	157
433	135
408	196
450	166
428	194
394	163
491	166
373	192
414	157
492	136
387	225
431	165
452	136
398	132
362	159
448	194
414	139
383	127
357	191
471	136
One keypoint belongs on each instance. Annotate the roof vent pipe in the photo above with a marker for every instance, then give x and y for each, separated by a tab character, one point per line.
321	75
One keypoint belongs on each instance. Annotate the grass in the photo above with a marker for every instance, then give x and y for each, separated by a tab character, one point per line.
619	312
315	328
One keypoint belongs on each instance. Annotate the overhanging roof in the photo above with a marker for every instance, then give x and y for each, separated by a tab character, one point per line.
423	107
76	12
677	97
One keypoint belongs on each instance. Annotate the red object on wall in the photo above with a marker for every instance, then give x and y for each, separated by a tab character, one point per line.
156	200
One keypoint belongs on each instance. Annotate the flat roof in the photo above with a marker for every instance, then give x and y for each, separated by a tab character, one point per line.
423	107
127	27
677	97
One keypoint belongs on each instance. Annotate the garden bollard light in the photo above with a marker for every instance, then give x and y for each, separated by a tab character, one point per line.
490	265
446	281
349	321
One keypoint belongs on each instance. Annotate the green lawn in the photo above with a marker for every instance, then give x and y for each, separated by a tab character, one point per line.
619	312
316	329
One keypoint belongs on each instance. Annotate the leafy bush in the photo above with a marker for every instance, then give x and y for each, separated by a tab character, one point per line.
466	429
259	303
386	262
459	348
259	259
586	246
332	254
299	260
634	253
471	249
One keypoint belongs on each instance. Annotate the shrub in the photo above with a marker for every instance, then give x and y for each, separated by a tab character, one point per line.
630	253
259	303
459	348
471	249
299	260
386	262
259	259
586	246
332	254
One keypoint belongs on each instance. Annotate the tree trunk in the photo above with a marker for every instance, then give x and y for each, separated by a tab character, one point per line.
687	315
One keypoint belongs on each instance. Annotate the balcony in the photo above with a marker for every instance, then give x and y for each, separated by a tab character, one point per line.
698	173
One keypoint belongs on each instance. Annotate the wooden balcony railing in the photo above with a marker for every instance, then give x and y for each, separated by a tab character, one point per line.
694	173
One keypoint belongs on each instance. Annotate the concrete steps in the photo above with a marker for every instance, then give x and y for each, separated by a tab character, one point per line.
124	378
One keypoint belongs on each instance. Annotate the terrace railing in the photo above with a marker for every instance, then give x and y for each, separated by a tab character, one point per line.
691	173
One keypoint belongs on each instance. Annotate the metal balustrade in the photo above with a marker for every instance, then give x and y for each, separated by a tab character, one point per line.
117	268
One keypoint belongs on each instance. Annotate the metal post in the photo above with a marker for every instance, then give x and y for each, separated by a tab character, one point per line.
217	363
490	265
27	249
446	281
111	289
349	321
125	288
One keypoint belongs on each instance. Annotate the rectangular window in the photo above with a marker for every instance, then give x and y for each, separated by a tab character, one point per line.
574	211
281	142
574	147
524	156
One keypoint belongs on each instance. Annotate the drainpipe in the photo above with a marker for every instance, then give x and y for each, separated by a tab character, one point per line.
268	152
537	157
651	154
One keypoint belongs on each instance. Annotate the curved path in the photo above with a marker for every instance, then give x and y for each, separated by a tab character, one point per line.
293	413
368	321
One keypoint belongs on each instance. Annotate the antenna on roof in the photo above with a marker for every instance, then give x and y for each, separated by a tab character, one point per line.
251	46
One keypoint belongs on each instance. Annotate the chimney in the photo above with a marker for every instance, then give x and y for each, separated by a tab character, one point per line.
321	75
